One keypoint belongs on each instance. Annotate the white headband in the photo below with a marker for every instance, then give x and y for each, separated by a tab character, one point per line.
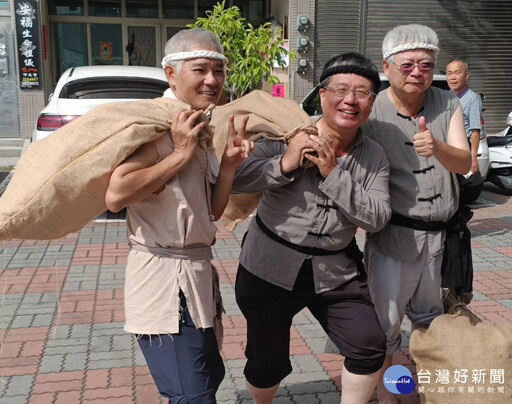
410	46
193	55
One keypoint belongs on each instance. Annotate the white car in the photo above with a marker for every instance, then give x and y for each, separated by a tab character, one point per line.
472	186
80	89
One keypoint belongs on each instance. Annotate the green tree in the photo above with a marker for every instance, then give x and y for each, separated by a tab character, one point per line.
251	51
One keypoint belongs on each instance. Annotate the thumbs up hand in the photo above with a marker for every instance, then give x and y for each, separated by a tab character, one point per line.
424	142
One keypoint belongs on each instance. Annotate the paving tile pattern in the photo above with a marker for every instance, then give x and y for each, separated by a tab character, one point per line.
61	318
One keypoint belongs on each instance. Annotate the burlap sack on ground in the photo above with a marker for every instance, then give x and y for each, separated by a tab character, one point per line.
454	343
269	117
60	182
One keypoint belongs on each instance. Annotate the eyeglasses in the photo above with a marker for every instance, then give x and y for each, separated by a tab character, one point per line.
406	68
359	93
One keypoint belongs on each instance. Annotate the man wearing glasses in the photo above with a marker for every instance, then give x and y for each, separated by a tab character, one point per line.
300	249
421	129
457	75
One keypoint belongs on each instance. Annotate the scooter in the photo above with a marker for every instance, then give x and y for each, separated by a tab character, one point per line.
508	130
500	157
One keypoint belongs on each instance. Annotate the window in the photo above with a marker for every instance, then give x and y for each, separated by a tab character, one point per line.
4	5
105	8
114	88
142	8
171	31
205	5
71	46
106	44
66	7
178	9
252	10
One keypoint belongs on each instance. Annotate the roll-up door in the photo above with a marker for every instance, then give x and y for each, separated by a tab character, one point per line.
337	30
480	32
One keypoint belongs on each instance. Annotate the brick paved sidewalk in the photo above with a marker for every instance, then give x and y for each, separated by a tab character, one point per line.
61	319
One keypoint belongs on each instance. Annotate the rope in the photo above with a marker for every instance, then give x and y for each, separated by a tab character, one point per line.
309	130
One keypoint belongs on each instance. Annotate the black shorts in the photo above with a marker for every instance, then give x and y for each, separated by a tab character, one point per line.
345	313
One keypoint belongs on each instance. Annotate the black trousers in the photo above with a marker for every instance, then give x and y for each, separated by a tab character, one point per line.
346	314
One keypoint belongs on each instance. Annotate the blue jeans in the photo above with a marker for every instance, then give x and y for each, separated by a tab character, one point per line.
186	367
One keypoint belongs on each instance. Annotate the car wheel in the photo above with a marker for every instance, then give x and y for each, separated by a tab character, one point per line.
470	194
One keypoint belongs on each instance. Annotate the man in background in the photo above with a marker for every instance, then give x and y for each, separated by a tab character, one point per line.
457	75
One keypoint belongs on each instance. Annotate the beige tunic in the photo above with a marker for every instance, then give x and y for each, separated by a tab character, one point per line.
178	219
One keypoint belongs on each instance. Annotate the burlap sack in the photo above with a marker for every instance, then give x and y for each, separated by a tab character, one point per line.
269	117
60	182
454	344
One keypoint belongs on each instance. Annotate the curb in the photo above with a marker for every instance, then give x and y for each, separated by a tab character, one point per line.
5	182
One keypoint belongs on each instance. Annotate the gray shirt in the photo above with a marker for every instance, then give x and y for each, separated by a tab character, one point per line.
420	187
471	104
311	211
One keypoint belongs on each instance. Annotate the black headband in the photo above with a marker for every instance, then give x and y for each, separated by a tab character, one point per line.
371	75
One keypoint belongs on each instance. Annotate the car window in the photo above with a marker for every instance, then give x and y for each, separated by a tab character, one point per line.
311	104
113	88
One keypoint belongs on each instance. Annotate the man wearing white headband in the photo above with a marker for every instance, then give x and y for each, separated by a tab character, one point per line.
174	190
421	129
196	49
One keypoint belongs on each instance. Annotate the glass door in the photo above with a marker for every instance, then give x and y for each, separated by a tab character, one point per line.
71	46
141	49
168	32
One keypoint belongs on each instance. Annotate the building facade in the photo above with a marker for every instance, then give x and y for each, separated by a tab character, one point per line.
478	31
88	32
85	33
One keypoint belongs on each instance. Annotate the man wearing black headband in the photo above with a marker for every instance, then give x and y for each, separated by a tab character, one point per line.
300	250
